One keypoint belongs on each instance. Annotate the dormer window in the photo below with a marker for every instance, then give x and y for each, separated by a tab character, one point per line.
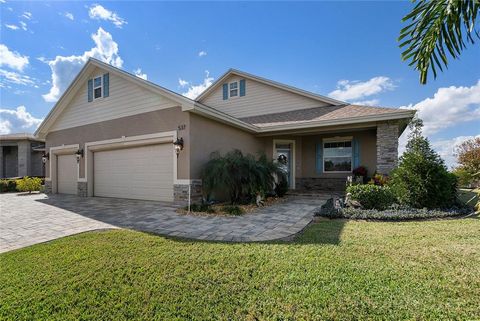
97	87
233	89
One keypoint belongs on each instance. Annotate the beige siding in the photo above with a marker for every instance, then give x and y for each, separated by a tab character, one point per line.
259	99
208	136
125	99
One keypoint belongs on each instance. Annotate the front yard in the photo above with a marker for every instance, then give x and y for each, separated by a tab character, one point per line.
335	270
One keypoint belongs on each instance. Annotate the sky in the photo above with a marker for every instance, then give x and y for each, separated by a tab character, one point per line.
345	50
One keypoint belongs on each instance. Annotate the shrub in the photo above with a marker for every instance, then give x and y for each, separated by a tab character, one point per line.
29	184
360	171
206	208
372	196
422	179
8	185
239	176
281	187
379	179
401	213
233	210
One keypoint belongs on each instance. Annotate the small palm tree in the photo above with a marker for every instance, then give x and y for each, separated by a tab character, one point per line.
434	28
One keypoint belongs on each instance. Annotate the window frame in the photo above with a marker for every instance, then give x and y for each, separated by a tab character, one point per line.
337	140
237	89
95	87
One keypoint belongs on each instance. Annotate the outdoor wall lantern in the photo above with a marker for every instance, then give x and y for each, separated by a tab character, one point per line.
45	157
79	154
178	145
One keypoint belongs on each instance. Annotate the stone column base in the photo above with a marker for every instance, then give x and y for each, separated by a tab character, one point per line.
180	192
321	184
48	187
82	189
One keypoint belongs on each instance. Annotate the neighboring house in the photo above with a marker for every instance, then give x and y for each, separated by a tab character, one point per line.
21	155
121	128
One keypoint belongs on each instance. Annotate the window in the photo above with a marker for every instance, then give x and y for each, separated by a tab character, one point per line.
337	156
233	86
97	87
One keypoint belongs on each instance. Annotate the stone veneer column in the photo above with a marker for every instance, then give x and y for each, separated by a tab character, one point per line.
180	192
23	158
387	147
82	188
48	187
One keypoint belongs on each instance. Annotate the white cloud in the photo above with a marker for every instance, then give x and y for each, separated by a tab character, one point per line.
17	120
448	107
446	148
195	90
202	53
11	77
182	82
12	59
26	15
69	15
13	27
98	12
23	25
347	90
65	68
371	102
2	1
139	74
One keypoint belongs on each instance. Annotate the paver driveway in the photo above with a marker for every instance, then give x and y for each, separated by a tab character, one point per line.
30	219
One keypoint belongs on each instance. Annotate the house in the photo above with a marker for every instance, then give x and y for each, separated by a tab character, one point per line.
21	155
111	134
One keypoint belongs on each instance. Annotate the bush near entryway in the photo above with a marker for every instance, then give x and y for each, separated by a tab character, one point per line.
29	184
372	196
239	177
8	185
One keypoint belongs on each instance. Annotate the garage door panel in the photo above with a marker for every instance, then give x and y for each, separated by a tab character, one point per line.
66	174
138	173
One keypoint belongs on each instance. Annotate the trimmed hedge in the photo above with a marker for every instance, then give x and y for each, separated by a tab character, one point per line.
372	196
8	185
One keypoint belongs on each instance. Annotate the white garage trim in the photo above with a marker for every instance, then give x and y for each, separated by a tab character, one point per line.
126	142
54	152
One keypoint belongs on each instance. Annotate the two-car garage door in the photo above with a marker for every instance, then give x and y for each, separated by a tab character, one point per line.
144	172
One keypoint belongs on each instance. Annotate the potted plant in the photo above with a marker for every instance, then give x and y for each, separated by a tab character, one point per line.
359	174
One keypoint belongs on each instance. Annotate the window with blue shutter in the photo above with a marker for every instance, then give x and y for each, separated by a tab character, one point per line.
106	85
90	90
225	91
356	153
319	158
242	87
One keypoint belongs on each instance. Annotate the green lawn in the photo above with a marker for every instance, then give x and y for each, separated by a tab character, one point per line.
335	270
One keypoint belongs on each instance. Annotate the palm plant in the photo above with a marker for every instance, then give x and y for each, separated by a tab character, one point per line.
435	28
239	176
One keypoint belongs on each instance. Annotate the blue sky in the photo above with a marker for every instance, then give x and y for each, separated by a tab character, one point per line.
346	50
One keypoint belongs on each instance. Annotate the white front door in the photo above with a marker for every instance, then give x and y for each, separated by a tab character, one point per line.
137	173
284	154
67	174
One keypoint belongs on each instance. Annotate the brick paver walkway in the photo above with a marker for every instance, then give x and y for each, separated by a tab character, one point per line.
31	219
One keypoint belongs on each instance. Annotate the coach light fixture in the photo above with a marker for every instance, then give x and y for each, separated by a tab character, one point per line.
178	145
45	157
79	154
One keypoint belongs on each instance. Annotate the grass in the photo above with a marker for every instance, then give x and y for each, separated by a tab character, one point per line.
335	270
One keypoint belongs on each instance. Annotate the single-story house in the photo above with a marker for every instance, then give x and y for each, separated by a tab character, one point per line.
112	134
21	155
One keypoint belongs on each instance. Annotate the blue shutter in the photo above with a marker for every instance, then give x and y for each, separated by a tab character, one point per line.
106	85
242	87
90	90
356	153
225	91
319	158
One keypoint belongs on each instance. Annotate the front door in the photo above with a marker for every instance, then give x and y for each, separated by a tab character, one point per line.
283	154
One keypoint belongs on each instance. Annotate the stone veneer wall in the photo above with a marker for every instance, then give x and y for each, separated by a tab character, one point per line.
387	147
320	184
82	188
180	192
48	187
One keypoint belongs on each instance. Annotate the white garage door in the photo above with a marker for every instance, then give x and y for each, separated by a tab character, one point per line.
138	173
67	174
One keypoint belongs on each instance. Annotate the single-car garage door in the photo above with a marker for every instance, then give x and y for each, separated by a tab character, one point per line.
66	174
138	173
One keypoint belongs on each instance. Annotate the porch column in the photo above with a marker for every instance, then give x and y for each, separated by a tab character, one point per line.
387	147
24	151
2	174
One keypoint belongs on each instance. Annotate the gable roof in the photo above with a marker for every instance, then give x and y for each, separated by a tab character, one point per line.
298	91
82	76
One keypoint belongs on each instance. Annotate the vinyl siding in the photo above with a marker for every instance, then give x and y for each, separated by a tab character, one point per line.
126	99
259	99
